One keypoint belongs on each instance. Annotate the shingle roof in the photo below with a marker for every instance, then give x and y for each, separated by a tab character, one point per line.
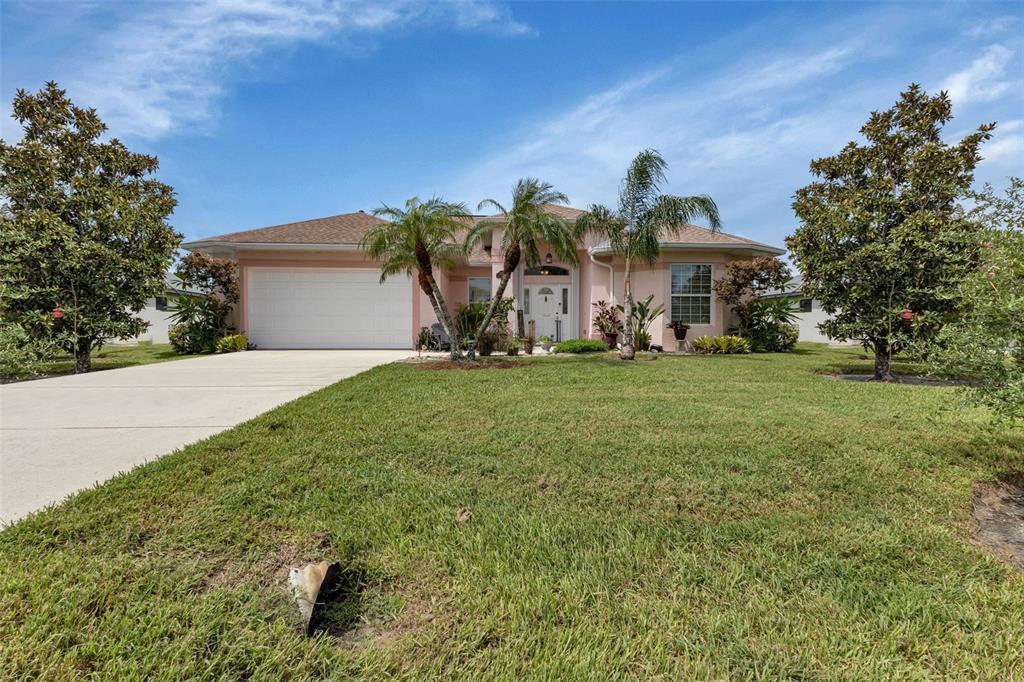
347	228
694	234
563	212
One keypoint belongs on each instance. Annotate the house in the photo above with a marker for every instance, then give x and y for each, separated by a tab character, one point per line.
158	314
809	315
309	285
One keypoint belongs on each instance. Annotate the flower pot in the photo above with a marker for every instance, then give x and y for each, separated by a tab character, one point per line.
610	339
680	334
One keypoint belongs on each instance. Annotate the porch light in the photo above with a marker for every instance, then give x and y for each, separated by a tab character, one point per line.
547	259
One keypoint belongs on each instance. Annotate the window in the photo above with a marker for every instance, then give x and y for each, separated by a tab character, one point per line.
161	303
545	271
565	300
526	301
805	305
691	293
479	289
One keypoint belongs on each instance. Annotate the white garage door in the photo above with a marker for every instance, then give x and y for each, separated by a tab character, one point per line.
327	308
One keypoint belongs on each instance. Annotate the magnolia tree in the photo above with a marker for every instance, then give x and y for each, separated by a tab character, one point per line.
882	242
987	343
84	237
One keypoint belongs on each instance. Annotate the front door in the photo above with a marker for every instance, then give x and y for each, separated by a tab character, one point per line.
547	309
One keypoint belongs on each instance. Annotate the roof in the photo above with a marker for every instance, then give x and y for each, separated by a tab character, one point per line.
346	228
694	236
795	288
563	212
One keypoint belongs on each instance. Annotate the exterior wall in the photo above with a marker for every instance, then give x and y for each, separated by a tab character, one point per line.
657	279
159	322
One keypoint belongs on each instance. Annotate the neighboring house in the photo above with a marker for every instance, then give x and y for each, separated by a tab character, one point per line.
157	313
810	313
309	285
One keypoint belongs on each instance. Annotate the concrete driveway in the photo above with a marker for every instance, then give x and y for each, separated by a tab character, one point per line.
63	434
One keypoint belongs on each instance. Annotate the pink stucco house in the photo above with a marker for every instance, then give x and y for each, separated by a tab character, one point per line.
309	285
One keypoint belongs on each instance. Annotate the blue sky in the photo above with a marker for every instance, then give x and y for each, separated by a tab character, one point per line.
269	111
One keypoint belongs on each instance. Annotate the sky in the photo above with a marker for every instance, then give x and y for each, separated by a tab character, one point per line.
271	111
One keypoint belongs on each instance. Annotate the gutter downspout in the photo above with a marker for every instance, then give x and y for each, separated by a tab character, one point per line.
611	274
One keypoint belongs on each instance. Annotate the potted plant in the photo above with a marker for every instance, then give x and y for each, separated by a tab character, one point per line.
512	347
606	321
528	343
545	342
679	329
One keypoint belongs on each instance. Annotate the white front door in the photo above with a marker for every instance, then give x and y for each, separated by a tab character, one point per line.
547	307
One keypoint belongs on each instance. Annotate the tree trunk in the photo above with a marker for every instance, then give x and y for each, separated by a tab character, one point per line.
883	362
429	286
628	351
512	255
83	356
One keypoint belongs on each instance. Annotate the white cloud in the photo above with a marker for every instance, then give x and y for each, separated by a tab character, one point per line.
1007	142
726	135
991	27
163	69
984	80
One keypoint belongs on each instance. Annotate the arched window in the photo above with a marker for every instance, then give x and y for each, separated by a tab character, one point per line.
546	270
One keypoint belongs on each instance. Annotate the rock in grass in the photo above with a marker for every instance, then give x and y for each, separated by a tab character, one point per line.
310	588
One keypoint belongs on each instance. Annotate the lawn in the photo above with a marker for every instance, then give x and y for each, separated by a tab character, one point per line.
114	356
723	517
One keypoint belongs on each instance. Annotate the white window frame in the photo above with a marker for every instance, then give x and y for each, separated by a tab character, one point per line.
710	295
469	287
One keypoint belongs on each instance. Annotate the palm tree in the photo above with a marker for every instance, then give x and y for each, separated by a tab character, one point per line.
420	237
527	224
644	218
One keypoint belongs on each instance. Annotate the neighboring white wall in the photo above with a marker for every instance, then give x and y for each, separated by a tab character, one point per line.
159	321
808	323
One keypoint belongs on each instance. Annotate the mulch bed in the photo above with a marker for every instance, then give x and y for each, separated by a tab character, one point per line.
468	365
908	379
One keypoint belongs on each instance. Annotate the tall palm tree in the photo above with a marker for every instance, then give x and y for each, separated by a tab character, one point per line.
644	218
420	237
526	224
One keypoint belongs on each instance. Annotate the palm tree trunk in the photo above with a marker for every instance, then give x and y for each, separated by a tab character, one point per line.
512	255
445	317
429	286
628	351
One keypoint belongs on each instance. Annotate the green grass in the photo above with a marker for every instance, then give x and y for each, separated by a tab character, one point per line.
114	357
716	516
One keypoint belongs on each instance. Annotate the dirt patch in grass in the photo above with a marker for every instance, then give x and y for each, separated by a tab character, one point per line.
998	508
381	632
467	365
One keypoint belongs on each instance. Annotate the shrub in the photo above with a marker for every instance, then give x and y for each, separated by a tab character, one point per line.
606	318
724	345
787	337
232	343
581	346
199	322
187	340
